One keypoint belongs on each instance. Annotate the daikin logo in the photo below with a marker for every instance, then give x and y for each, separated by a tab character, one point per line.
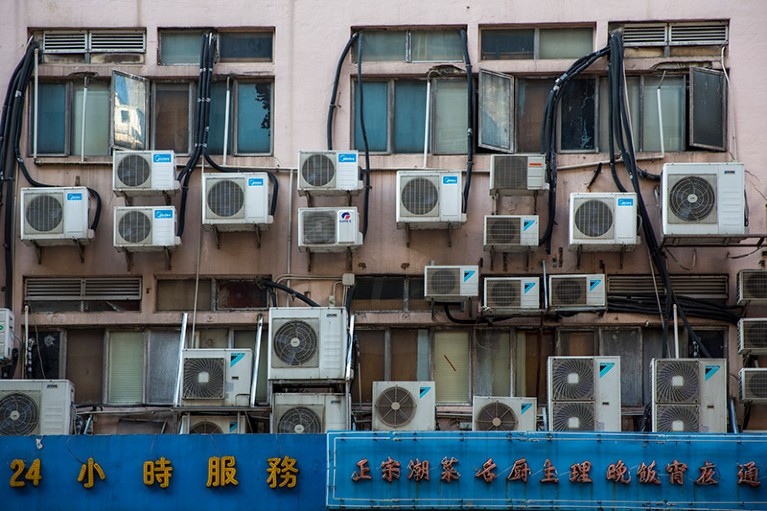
163	213
232	426
468	274
605	367
256	181
347	158
74	196
345	217
529	286
525	407
711	370
423	391
450	180
527	224
594	283
234	358
162	158
625	202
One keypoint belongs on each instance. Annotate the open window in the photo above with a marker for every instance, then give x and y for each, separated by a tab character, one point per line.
496	111
130	102
708	109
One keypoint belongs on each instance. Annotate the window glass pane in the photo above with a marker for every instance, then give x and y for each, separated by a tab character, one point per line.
404	355
85	361
531	102
632	88
495	114
208	338
382	45
451	367
254	117
163	367
379	293
218	118
126	367
129	110
625	343
493	366
708	115
578	115
565	43
435	46
415	295
171	110
180	47
530	365
508	44
672	104
52	119
46	354
178	295
239	294
376	106
245	46
577	343
450	117
96	119
409	116
371	364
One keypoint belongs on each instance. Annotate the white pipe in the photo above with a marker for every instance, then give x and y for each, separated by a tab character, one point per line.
226	119
349	347
82	127
257	361
426	126
37	96
660	117
181	343
290	223
676	333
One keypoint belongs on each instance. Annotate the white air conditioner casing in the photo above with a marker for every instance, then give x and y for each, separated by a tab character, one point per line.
145	228
584	393
429	199
55	215
752	287
216	377
451	283
689	395
328	172
144	173
603	221
36	407
6	335
703	199
328	229
511	295
236	201
214	424
404	405
517	174
753	385
577	292
511	233
752	336
504	413
307	343
309	413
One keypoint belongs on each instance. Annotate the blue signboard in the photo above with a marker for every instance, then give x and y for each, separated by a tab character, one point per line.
541	470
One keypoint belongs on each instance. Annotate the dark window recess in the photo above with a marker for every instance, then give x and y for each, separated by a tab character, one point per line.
415	295
708	109
712	340
46	354
240	294
579	116
245	47
508	44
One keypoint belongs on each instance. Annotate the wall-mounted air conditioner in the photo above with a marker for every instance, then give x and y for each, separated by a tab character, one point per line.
513	174
752	287
144	172
584	393
451	283
307	343
511	233
55	215
328	172
236	201
511	295
689	394
752	336
577	292
753	385
504	413
403	405
429	199
603	221
6	335
309	413
216	377
214	424
36	407
145	228
703	199
328	229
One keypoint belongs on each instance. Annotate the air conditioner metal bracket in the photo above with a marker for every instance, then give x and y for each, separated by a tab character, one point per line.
39	251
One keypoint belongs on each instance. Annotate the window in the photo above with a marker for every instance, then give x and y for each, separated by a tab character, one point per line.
180	46
172	118
183	46
94	46
536	43
389	293
662	39
250	118
130	100
212	294
89	294
410	46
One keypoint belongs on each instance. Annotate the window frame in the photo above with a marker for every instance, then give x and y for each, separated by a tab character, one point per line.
408	36
192	98
113	131
536	39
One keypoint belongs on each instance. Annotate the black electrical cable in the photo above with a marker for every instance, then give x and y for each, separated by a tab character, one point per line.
333	96
349	299
459	321
364	138
291	292
470	130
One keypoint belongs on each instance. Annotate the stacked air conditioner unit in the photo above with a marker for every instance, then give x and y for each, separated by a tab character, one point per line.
752	336
6	335
516	174
451	283
403	405
214	424
309	413
36	407
603	221
504	413
584	393
328	173
236	201
689	395
216	377
577	292
144	173
753	385
752	287
429	199
511	295
145	228
703	200
328	229
55	215
511	233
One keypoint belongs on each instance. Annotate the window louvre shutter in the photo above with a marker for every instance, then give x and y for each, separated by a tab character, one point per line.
694	286
706	33
117	42
644	34
65	42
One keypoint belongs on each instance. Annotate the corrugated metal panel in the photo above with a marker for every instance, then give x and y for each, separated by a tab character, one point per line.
120	42
82	289
65	42
694	286
644	34
703	33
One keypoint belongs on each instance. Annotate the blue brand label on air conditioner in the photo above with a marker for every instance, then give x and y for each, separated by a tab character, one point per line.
423	391
232	426
235	357
449	180
525	407
345	217
593	283
529	286
605	367
625	202
527	224
163	213
729	172
711	370
162	158
347	158
74	196
256	181
468	274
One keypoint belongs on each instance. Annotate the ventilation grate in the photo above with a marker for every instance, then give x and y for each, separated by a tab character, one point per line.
420	196
117	42
90	288
754	384
568	291
644	34
135	226
573	417
677	418
572	379
65	42
593	218
319	227
318	169
300	419
503	294
226	199
676	381
706	33
503	231
443	281
694	286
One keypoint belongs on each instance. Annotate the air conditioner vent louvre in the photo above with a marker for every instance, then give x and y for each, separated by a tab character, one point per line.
677	418
572	379
204	378
89	288
702	33
642	34
403	405
753	385
65	42
752	336
677	381
299	419
693	286
573	416
19	412
117	42
752	286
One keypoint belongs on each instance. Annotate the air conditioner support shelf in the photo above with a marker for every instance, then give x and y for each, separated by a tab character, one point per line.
579	253
217	232
349	260
450	227
77	244
168	258
730	240
505	259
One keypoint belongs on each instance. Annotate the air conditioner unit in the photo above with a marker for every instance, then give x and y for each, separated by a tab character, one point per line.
429	199
403	405
214	424
584	393
144	172
55	215
216	377
511	233
504	413
309	413
752	287
752	336
36	407
145	228
236	201
328	229
603	221
577	292
514	174
703	199
689	394
328	172
753	385
307	343
6	335
511	295
451	283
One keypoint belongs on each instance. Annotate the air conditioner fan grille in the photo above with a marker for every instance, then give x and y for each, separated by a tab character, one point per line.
225	198
504	231
133	170
295	343
568	291
319	228
593	218
395	407
572	379
573	417
677	418
134	226
676	381
444	281
510	172
755	334
496	416
19	414
420	196
755	285
318	170
299	419
44	213
205	428
692	199
756	384
503	294
204	378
